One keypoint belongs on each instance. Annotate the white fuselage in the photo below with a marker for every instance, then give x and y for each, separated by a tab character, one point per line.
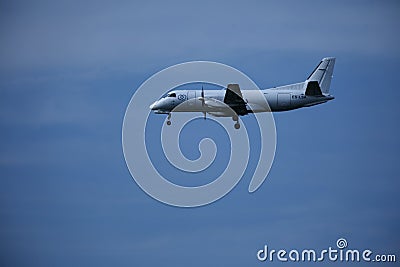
234	102
274	99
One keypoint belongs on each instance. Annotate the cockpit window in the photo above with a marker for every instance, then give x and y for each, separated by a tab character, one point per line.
171	95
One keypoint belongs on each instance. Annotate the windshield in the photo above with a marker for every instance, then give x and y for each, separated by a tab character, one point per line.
171	95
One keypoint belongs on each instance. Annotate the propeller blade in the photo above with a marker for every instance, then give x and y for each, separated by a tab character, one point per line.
203	100
202	96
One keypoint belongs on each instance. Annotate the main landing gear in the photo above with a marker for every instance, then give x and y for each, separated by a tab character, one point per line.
236	118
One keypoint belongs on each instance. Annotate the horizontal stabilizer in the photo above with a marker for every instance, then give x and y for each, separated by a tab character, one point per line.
313	89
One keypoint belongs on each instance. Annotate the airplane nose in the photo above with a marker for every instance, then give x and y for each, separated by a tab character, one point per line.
153	106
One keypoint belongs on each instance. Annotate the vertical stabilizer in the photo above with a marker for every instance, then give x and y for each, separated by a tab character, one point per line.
323	74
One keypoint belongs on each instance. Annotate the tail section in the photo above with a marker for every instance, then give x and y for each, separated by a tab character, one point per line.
313	89
323	74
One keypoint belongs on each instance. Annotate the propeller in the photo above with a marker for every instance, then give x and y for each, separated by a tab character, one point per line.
203	100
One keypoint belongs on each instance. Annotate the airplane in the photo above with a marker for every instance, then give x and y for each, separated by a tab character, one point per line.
234	102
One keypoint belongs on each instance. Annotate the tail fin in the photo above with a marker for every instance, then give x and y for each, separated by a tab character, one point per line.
323	74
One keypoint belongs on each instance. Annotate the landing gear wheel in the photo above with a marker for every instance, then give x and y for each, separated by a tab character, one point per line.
236	118
168	119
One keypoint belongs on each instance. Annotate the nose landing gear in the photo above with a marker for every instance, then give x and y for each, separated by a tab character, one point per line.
169	119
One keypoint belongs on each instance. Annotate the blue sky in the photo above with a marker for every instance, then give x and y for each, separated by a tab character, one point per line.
69	69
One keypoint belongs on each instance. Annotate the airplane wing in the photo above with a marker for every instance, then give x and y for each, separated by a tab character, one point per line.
234	99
